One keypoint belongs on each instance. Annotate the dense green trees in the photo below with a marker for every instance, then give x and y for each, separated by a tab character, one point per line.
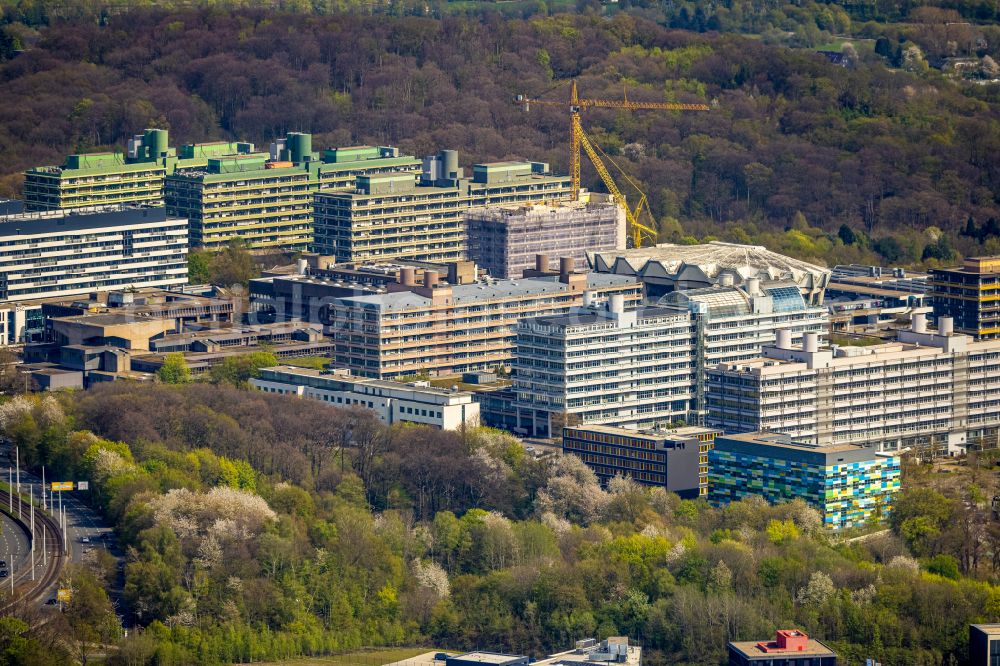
890	155
263	527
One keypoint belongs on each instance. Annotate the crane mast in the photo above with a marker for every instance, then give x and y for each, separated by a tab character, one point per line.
578	140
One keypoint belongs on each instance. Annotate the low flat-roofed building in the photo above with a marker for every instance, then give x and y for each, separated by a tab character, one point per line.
131	321
588	652
479	658
790	647
392	402
667	267
848	484
984	644
675	459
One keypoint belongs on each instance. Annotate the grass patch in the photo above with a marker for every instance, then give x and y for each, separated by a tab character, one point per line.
852	341
366	658
313	362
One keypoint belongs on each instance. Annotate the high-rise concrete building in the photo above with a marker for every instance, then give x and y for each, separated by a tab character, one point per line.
98	179
849	484
602	364
970	295
60	253
393	217
504	240
932	392
732	324
266	199
435	327
54	254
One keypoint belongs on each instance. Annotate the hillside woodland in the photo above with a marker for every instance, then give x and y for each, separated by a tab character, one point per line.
262	527
877	158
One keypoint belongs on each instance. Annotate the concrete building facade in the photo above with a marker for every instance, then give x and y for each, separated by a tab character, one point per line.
504	240
55	254
602	364
266	198
970	295
732	324
392	216
937	393
392	402
672	458
134	177
848	484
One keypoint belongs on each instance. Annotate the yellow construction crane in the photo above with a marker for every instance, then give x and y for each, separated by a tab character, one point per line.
578	139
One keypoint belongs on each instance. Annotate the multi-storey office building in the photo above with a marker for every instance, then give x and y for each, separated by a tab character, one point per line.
391	216
504	240
434	327
675	459
984	644
970	295
134	177
731	324
849	484
267	198
937	393
392	402
62	253
602	364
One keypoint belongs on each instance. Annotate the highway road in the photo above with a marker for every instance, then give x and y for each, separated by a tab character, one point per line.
14	546
82	523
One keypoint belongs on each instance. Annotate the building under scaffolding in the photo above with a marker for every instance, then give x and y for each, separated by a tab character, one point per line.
505	240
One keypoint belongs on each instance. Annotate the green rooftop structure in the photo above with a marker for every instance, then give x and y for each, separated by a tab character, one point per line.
267	198
386	216
133	177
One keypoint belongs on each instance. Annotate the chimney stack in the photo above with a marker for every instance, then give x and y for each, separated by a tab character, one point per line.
541	263
810	342
753	286
783	339
919	323
946	325
430	278
616	303
407	277
566	265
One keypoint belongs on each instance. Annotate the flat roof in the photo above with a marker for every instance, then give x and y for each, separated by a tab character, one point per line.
47	222
483	291
489	657
784	441
991	629
683	431
347	377
751	649
587	318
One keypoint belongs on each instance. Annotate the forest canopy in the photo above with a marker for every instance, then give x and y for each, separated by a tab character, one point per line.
260	527
795	148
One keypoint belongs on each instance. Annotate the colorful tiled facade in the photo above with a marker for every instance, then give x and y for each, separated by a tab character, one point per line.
849	485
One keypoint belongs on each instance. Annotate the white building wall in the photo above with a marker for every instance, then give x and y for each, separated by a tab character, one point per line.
389	409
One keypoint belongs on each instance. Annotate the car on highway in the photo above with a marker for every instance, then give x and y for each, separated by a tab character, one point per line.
3	573
84	539
3	564
52	601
